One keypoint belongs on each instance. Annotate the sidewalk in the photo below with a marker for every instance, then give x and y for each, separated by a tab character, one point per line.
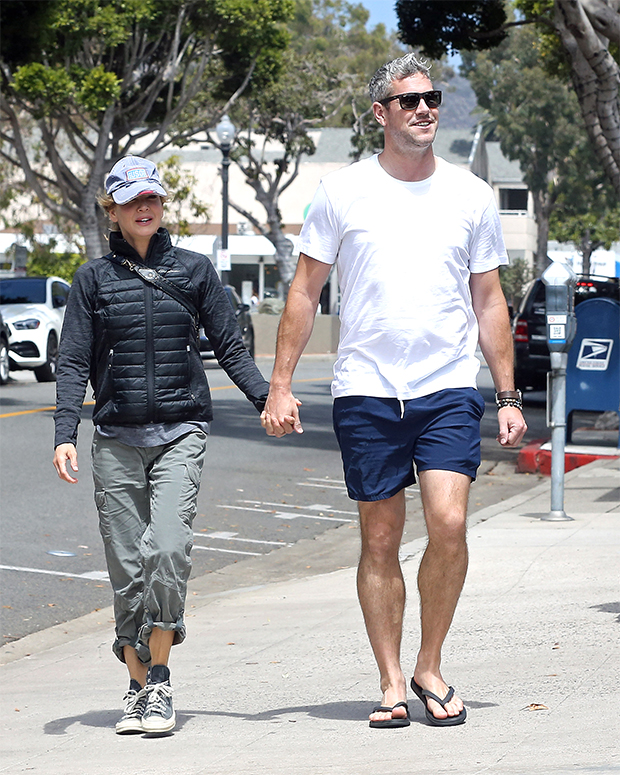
279	679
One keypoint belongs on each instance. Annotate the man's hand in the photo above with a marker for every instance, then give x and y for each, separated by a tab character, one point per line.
512	426
63	454
281	413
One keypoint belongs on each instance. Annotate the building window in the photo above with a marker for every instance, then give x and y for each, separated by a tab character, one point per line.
513	199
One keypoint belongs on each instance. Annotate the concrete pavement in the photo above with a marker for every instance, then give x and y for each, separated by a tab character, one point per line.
279	679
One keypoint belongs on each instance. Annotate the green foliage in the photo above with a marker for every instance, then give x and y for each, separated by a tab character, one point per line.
180	186
45	259
98	38
26	30
553	58
103	78
586	209
48	89
439	28
322	83
251	27
514	278
98	90
534	114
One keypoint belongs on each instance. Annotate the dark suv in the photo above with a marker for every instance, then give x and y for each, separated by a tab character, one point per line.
529	327
244	320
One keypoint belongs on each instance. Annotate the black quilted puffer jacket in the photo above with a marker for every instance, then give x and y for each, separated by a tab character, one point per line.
138	346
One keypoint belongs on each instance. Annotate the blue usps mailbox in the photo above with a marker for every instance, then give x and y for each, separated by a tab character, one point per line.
593	369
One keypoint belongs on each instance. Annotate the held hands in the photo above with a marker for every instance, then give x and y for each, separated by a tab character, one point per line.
63	454
281	413
512	426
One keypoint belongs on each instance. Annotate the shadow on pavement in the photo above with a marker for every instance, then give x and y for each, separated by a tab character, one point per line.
335	711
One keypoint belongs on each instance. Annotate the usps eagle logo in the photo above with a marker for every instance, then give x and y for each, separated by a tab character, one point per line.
594	354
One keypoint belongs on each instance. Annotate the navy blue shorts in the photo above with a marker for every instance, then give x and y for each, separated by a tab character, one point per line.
381	438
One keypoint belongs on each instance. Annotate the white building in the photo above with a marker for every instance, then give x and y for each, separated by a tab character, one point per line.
253	256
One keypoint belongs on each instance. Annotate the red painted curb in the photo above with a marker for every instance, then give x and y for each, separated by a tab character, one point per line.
534	460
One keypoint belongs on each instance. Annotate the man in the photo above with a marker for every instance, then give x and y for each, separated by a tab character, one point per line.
417	243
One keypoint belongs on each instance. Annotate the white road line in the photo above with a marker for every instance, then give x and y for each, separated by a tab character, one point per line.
342	488
284	514
95	575
314	507
227	551
225	536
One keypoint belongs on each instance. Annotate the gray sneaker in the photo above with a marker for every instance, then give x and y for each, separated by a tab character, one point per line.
159	716
135	704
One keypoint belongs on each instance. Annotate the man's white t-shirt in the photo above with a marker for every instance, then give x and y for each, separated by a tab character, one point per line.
404	254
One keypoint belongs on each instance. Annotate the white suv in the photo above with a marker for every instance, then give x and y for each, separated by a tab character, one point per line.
34	308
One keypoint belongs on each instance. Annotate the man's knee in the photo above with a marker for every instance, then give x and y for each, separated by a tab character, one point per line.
449	531
382	524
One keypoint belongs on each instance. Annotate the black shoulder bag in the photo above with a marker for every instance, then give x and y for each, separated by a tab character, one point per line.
153	277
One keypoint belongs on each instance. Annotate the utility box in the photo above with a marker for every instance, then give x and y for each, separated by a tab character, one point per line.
593	369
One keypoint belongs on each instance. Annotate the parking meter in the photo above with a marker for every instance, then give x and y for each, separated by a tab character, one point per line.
560	282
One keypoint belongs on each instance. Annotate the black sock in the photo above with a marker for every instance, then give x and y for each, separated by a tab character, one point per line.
158	674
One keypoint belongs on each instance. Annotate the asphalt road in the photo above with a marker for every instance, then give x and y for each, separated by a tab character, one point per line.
258	495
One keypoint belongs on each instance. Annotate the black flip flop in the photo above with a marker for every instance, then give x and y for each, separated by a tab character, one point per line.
424	695
390	723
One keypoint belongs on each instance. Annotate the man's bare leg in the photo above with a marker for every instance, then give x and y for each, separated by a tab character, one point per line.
441	576
381	591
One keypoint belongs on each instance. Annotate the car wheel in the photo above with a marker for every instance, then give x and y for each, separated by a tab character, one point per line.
4	362
47	372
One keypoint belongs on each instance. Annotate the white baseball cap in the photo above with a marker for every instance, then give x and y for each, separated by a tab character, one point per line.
131	177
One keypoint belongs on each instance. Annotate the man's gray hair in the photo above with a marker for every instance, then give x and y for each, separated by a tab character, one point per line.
403	67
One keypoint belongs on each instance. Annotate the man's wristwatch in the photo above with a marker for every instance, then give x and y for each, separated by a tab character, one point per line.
509	398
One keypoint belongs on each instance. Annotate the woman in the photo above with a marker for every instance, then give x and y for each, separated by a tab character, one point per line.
132	332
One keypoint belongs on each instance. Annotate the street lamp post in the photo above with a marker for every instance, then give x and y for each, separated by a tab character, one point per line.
226	134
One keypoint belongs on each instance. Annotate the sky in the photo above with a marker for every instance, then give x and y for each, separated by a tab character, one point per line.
381	12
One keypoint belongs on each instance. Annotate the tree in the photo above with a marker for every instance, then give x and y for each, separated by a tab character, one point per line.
534	119
323	78
586	210
97	79
45	257
451	26
180	186
514	279
588	32
308	93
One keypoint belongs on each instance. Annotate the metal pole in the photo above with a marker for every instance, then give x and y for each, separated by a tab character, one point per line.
225	166
558	436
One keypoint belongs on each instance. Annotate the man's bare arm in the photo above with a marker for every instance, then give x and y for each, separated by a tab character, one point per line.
496	345
281	414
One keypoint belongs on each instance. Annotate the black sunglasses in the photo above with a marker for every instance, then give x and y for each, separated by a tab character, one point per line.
411	100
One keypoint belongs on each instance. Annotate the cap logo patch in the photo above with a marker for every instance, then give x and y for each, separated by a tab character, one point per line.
137	173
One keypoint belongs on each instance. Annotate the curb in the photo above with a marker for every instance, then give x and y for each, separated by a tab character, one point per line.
535	457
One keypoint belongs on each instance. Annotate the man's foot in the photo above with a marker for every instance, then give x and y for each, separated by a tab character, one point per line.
442	710
391	717
159	716
135	703
393	707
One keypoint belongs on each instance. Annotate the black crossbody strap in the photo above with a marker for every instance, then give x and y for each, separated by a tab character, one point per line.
154	278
